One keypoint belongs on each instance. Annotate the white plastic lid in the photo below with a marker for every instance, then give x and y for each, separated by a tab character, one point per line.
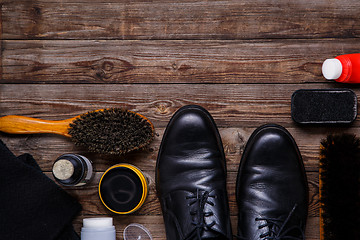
104	222
332	69
98	229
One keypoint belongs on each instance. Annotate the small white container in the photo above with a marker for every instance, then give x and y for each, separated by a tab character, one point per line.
98	229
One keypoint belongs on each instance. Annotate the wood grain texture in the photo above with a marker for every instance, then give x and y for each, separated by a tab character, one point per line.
241	60
46	148
169	19
1	38
232	105
242	108
117	61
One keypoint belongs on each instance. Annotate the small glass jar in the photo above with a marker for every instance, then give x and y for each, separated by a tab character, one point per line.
72	170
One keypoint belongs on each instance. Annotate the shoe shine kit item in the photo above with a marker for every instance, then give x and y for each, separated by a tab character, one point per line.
339	180
123	188
136	231
72	170
324	106
98	229
343	68
110	131
329	106
339	171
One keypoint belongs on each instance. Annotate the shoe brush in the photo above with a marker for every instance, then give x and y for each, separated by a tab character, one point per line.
339	182
111	131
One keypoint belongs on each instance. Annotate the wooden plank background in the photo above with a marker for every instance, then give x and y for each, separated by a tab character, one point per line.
240	59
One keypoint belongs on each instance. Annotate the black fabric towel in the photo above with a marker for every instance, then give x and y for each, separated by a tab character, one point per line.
32	206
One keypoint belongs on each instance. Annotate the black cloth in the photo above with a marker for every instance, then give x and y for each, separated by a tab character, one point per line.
32	206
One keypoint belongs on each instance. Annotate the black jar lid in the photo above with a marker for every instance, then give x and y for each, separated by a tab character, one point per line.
123	189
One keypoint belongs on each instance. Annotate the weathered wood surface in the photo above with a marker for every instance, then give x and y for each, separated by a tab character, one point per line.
239	109
171	19
117	61
47	148
241	60
232	105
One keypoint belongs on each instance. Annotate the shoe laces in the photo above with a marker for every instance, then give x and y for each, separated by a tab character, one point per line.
199	199
277	231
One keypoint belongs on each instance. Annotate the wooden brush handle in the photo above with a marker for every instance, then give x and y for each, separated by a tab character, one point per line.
25	125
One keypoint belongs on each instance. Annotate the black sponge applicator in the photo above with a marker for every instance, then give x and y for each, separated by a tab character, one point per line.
327	106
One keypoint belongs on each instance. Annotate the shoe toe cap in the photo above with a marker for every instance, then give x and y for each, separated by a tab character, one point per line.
271	176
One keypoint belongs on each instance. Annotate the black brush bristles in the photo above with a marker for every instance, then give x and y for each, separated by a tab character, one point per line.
339	192
112	131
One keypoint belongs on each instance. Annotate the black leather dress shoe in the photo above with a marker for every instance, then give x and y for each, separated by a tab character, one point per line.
191	178
271	188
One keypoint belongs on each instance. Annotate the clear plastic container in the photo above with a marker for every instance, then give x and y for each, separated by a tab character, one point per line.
136	231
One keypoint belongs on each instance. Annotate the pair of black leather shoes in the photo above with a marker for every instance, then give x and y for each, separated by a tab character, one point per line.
271	189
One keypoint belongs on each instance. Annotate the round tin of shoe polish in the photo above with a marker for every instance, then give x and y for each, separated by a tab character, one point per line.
123	188
72	170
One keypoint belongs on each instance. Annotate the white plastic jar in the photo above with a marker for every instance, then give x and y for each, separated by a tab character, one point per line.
98	229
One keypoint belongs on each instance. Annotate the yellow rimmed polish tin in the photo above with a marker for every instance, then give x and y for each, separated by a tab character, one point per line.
123	188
